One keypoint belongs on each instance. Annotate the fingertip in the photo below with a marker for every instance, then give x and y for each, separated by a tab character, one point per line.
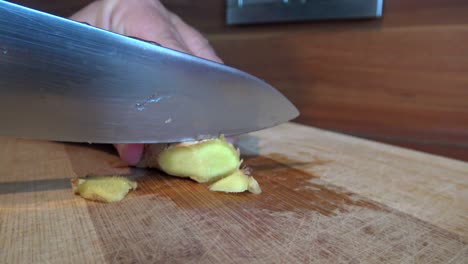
211	55
130	153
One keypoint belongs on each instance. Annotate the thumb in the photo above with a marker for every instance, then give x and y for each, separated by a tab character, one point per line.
130	153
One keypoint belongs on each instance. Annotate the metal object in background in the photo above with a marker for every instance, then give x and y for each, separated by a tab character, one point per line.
270	11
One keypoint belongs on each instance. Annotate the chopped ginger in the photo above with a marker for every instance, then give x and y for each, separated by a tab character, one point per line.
103	188
203	161
235	183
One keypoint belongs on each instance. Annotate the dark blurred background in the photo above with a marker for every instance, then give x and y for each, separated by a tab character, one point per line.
401	79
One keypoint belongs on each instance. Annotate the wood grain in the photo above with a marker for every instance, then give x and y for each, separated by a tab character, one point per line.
400	80
327	198
40	222
364	85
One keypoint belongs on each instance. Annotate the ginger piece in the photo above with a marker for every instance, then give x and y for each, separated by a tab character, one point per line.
253	186
103	188
236	182
202	161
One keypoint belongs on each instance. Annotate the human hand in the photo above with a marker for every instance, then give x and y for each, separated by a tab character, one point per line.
148	20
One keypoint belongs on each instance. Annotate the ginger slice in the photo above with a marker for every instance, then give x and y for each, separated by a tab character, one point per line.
236	182
202	161
103	188
253	186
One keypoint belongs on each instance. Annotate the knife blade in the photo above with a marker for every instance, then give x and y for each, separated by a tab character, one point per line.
63	80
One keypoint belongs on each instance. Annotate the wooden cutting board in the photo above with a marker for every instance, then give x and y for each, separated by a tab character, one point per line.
327	198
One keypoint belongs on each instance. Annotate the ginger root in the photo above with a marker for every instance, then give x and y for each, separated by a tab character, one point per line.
203	161
103	188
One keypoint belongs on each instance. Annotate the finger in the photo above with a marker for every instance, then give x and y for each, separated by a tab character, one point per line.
96	13
130	153
86	14
198	45
147	20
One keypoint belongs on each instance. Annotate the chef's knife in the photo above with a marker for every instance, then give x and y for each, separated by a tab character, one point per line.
67	81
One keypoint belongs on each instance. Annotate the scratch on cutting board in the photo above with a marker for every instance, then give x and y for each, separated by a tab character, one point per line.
183	221
293	239
462	255
248	231
209	248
